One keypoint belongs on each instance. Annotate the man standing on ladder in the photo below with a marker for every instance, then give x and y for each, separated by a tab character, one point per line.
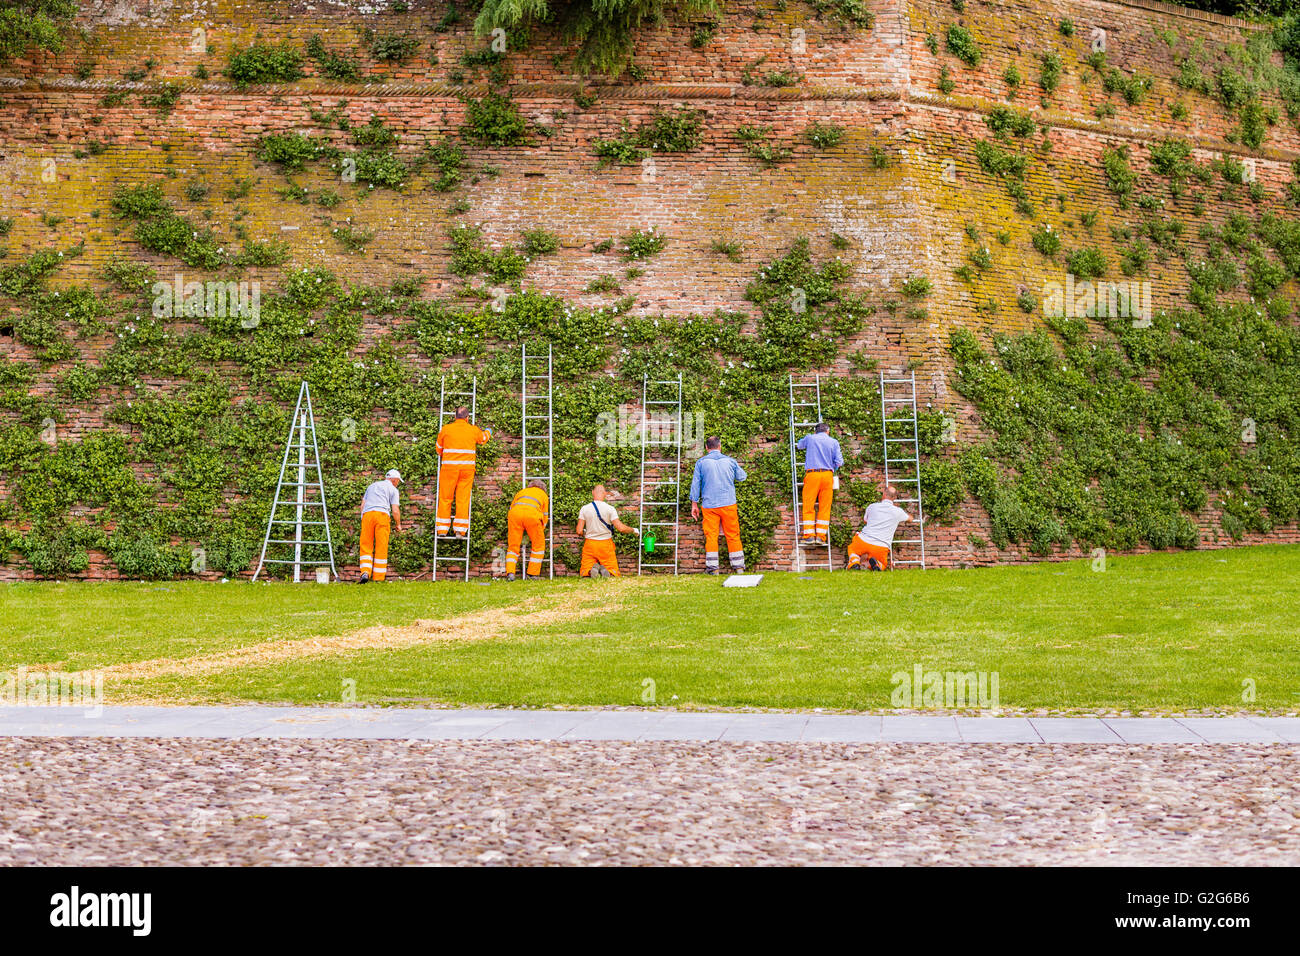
528	514
713	489
458	442
597	523
875	541
380	499
821	459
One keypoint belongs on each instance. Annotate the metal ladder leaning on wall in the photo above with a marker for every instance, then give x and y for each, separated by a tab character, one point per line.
444	415
903	450
303	427
538	466
810	402
661	474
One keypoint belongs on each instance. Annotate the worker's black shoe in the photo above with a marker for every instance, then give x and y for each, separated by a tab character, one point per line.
364	579
854	567
510	577
874	565
710	570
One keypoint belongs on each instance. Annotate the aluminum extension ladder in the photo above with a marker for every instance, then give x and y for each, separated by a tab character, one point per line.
903	451
807	557
537	466
659	491
445	415
303	428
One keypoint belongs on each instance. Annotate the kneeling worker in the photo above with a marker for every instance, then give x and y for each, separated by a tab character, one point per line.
713	488
529	511
380	499
597	523
875	541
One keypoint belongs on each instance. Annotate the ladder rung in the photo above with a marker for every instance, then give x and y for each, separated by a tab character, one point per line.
658	565
910	481
660	524
670	402
663	463
907	541
294	521
299	504
656	504
304	561
291	541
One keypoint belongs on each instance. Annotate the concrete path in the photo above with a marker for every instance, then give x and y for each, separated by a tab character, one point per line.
410	724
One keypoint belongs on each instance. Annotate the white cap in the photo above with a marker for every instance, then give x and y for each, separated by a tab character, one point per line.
394	473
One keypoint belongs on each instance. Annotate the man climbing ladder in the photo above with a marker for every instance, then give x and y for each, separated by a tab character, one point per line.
822	458
528	514
458	442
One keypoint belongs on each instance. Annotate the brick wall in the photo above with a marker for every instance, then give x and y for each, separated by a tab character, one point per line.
880	84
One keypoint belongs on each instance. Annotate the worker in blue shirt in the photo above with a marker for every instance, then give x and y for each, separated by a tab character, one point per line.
821	459
713	489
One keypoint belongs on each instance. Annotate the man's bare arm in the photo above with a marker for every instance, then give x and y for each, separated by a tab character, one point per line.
625	528
397	518
582	526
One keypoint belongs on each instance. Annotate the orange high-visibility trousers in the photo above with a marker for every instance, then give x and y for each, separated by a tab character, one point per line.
729	520
599	552
455	482
374	544
520	521
818	486
859	549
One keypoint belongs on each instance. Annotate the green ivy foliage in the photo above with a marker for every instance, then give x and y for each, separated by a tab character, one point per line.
1083	450
192	465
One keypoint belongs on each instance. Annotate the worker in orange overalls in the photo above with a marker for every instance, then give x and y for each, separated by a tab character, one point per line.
821	459
875	542
380	500
597	523
458	442
529	511
713	496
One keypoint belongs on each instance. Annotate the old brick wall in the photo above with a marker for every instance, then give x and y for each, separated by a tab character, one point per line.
881	84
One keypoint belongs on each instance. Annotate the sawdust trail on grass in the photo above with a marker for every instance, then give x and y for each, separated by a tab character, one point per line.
485	625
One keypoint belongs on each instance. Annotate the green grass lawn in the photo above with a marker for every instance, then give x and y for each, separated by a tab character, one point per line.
1150	633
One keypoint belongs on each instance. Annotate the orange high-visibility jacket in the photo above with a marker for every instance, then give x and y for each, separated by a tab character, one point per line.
533	498
458	442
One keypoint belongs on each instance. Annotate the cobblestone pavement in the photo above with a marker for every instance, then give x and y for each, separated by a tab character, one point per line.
192	801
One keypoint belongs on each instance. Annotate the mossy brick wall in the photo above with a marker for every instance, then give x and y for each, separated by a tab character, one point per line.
881	84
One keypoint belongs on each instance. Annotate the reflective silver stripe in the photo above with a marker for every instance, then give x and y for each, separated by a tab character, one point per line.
459	451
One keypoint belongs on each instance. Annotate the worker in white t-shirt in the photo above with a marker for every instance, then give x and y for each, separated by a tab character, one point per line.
597	522
875	541
380	500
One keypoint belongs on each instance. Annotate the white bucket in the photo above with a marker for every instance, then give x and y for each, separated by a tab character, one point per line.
322	575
